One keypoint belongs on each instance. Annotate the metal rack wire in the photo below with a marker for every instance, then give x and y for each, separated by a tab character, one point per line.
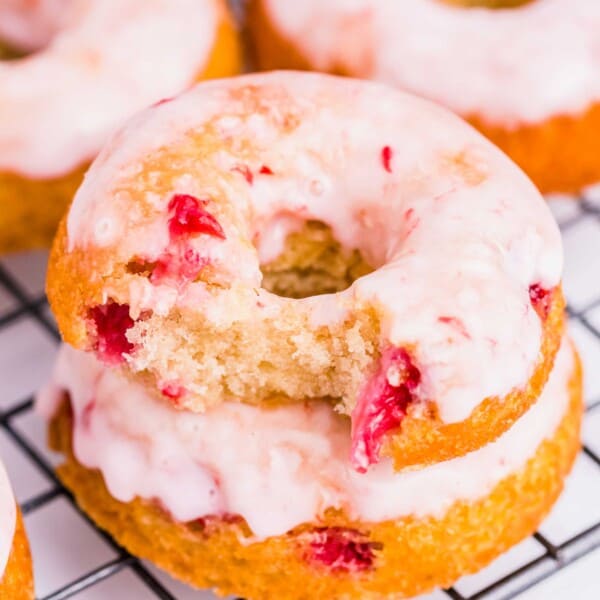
554	557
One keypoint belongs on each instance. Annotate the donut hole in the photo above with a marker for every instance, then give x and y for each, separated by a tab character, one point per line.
488	3
312	263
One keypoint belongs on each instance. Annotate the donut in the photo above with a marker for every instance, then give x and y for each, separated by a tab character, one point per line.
411	271
16	575
526	75
263	502
86	67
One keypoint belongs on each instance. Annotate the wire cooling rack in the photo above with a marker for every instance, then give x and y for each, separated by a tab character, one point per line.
72	558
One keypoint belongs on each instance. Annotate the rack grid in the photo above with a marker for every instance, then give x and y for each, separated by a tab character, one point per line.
28	340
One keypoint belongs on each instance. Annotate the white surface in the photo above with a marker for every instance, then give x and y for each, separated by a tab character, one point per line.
66	547
578	582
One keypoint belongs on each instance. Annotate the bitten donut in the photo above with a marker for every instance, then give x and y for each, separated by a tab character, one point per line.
527	75
263	503
87	67
16	576
440	260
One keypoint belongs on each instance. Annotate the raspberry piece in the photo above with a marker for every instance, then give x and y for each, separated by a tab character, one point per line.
382	405
541	300
181	267
111	321
172	390
245	172
190	217
340	549
386	158
264	170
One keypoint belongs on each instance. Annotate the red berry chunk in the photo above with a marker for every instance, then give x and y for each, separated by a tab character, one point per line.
181	267
264	170
112	321
341	549
190	218
173	391
382	405
541	299
386	158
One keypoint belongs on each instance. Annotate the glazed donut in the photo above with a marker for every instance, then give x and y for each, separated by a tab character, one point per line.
93	64
16	575
262	502
527	76
452	331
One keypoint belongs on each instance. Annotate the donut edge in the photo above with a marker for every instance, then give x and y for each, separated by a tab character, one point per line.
17	581
433	551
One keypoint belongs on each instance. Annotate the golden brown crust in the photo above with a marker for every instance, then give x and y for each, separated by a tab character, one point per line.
17	581
424	442
413	555
561	154
30	209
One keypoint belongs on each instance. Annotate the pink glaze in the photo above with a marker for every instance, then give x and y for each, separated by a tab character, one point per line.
277	468
541	299
512	66
456	232
98	63
8	519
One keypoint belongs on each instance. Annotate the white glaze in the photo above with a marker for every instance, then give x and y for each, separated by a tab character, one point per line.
512	66
469	249
104	61
277	468
8	519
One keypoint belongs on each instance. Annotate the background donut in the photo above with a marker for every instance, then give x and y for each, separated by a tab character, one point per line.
492	67
86	68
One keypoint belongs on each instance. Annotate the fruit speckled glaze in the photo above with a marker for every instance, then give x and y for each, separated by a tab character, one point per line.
446	297
527	74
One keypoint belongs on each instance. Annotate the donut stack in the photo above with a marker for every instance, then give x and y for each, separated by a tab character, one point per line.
314	342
